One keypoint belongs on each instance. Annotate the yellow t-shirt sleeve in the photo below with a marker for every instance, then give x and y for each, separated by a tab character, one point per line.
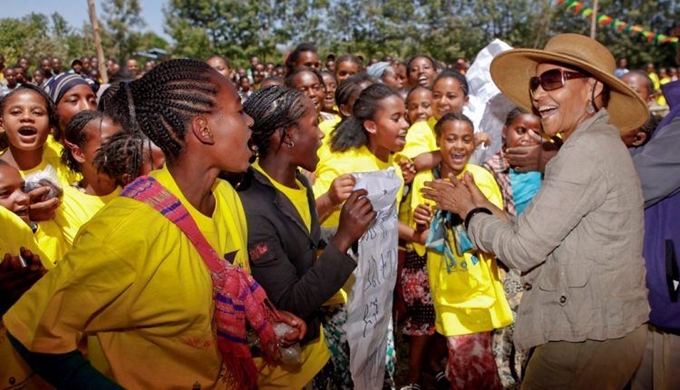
75	296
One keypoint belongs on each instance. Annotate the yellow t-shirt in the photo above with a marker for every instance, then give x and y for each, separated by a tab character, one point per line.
327	128
351	161
315	355
135	281
420	139
76	209
15	234
470	298
297	196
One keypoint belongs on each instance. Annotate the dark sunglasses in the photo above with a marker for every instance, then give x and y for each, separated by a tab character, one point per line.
553	79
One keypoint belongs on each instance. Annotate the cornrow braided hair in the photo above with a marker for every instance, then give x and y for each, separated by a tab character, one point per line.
121	157
454	74
351	133
274	108
163	101
74	134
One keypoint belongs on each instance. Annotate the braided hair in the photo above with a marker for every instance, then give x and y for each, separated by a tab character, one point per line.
121	157
274	108
163	101
75	135
351	133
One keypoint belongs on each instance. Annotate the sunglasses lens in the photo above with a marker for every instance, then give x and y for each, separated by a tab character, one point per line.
552	80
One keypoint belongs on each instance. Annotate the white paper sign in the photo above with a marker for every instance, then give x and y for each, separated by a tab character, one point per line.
369	303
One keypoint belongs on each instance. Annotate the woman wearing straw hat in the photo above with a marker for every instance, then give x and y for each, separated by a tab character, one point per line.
579	242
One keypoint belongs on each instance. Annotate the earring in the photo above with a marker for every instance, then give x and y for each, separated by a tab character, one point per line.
290	144
589	108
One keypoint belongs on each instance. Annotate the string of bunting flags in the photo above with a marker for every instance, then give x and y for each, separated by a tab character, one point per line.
607	21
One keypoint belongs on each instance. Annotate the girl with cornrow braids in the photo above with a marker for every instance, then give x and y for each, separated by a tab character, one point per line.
149	276
283	225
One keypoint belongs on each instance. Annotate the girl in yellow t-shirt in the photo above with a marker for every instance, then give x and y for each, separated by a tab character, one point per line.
135	280
362	143
283	226
83	136
467	292
27	115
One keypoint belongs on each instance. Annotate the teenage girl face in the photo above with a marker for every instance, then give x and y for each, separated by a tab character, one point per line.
421	72
447	96
389	127
308	83
230	127
12	195
346	69
419	105
456	143
77	99
309	59
329	97
306	138
26	121
517	133
38	78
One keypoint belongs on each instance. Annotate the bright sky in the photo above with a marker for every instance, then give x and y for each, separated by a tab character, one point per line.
75	11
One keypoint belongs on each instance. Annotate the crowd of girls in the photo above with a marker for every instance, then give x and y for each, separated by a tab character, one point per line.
186	222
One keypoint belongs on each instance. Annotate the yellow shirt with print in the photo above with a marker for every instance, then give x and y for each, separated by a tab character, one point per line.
136	282
470	298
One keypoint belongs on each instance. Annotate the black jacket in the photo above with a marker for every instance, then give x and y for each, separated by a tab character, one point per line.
283	254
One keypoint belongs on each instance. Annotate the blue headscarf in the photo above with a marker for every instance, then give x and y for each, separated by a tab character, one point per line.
58	85
378	69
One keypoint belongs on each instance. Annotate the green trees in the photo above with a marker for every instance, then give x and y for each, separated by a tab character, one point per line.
37	35
446	29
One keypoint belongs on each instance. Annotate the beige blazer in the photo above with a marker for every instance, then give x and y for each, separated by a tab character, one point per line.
578	244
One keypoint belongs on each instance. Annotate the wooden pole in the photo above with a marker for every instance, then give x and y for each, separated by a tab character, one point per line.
98	43
593	20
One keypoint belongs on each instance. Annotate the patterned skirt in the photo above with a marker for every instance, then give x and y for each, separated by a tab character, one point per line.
417	297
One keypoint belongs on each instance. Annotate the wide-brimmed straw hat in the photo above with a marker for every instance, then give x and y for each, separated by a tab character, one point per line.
511	71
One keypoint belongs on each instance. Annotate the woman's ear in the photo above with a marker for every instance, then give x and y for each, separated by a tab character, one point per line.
200	129
76	151
640	138
370	126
